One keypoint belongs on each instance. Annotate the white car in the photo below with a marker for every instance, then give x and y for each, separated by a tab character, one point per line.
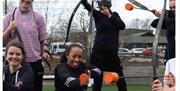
59	47
4	49
123	52
137	50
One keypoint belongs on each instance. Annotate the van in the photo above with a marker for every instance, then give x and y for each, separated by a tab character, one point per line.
58	47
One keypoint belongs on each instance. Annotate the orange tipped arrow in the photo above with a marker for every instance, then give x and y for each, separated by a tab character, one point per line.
129	6
110	77
84	78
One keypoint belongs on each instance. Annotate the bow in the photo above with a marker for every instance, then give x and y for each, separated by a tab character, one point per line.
156	40
70	21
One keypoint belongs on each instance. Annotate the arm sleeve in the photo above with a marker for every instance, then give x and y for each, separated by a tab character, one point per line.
155	22
170	67
88	7
9	86
117	21
95	72
6	21
65	76
41	29
167	68
42	33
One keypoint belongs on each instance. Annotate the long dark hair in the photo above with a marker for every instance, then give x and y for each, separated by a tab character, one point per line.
18	45
68	50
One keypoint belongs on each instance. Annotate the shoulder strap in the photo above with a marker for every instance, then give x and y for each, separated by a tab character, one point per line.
14	13
16	32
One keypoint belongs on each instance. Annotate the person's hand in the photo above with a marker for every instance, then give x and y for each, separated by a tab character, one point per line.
12	25
169	79
46	54
157	13
84	79
46	57
105	11
157	85
167	88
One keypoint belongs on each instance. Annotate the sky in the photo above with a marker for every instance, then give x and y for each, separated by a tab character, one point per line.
127	16
118	6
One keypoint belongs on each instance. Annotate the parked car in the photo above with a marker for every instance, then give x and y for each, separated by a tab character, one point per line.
123	52
4	49
59	47
137	51
148	51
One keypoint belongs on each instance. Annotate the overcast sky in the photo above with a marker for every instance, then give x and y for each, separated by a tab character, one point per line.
127	16
118	6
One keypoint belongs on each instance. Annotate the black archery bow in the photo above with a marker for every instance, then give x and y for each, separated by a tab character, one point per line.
70	21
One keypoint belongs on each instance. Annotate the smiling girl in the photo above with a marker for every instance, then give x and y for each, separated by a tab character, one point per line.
17	75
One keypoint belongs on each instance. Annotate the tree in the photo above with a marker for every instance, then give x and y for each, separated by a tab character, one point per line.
84	24
141	24
8	6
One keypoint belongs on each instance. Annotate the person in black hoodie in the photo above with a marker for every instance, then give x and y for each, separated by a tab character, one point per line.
169	25
105	48
17	75
71	67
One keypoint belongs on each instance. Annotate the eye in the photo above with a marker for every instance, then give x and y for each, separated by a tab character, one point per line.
18	54
79	56
10	53
172	7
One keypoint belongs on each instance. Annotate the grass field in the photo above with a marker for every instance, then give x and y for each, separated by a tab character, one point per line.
109	88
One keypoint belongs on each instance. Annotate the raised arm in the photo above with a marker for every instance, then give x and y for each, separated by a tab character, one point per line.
117	21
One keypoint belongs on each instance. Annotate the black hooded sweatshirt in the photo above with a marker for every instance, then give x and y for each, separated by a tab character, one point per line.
20	80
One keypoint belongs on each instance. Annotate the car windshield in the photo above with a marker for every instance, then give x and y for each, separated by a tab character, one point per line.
123	50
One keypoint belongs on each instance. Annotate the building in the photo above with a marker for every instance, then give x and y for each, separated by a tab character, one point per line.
136	38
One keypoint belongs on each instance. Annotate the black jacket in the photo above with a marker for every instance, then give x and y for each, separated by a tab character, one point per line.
21	80
107	35
168	23
67	78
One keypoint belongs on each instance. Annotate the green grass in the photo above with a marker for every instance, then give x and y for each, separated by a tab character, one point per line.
109	88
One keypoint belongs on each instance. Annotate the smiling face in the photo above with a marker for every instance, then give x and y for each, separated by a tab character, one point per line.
26	4
14	56
75	57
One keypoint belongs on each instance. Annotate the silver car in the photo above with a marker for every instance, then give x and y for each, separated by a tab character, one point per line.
137	51
123	52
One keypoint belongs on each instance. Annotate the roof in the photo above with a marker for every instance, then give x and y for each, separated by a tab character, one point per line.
141	39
